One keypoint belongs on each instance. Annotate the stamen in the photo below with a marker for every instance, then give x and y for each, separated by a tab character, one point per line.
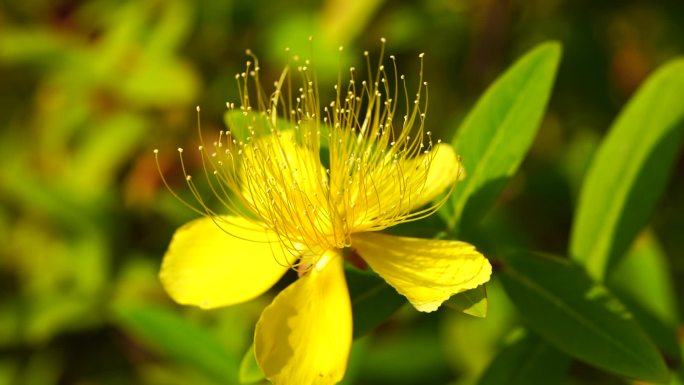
379	158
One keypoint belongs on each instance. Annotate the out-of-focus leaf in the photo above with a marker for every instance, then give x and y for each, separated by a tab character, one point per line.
10	322
357	357
498	131
51	313
642	281
344	20
664	335
9	366
174	24
23	188
473	302
250	372
173	336
243	125
44	368
405	358
580	317
629	171
645	276
159	82
373	300
294	32
96	162
528	360
36	46
470	343
59	282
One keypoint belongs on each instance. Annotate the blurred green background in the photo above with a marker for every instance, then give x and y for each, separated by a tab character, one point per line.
89	89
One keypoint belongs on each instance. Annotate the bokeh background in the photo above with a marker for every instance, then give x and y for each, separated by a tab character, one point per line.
89	89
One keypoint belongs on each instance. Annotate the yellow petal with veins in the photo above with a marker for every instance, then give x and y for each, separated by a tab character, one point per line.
211	266
439	174
285	185
387	195
426	271
305	335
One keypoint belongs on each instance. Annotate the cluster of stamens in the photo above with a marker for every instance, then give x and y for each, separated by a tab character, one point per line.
315	174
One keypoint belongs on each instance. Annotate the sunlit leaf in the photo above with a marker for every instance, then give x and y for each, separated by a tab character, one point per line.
498	131
562	304
629	171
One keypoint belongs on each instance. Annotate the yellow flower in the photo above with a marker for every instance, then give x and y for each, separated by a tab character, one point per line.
286	209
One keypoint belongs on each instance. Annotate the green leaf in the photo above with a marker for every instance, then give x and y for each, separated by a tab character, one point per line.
98	160
645	275
498	131
245	124
173	336
240	123
528	360
373	300
663	335
473	302
629	171
642	280
562	304
250	372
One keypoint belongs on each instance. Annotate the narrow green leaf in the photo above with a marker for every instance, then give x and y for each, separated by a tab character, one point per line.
528	360
250	372
497	133
562	304
173	336
472	302
373	300
629	171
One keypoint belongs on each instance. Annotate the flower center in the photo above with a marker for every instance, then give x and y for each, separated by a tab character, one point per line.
268	165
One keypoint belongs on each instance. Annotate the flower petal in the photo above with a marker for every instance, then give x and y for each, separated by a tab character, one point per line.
284	184
426	271
388	194
211	266
305	335
443	171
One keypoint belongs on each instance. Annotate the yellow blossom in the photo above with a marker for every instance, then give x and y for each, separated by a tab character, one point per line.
300	182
